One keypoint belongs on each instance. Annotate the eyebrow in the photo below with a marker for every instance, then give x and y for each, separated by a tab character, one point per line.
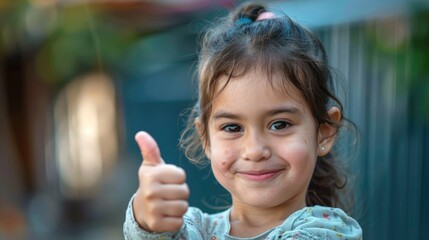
223	114
271	112
279	110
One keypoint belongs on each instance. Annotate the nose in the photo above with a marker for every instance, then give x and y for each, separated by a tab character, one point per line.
255	147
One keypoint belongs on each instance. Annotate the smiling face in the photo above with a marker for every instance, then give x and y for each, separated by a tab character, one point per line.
262	143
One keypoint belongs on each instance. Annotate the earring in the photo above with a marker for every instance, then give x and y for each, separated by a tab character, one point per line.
322	148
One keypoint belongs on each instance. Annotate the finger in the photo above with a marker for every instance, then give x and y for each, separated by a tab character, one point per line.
172	191
171	174
161	174
174	208
149	149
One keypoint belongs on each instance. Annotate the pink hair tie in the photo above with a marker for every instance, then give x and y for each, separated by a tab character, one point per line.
265	15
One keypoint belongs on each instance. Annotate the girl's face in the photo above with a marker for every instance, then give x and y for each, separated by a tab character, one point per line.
263	145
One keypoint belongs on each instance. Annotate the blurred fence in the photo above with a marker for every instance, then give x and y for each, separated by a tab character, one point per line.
385	63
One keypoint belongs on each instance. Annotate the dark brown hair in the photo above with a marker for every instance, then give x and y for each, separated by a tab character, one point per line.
278	46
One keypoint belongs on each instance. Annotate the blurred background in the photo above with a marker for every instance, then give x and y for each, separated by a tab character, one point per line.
79	78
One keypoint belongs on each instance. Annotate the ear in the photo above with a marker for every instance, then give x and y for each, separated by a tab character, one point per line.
327	133
204	141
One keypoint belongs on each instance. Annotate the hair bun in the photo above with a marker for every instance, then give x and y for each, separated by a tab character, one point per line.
248	12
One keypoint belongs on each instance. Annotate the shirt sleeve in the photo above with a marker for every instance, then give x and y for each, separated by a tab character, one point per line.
193	220
320	223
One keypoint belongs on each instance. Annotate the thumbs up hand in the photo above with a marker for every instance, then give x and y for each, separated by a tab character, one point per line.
161	199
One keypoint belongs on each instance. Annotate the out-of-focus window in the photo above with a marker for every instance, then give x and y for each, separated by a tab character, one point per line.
85	135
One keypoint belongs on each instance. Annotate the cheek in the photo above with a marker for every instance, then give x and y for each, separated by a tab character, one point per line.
223	156
301	154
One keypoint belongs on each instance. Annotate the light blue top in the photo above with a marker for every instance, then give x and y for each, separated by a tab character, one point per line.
306	224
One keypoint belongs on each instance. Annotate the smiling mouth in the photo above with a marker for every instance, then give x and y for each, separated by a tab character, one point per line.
260	175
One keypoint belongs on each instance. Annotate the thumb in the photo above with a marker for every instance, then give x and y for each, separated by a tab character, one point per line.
149	149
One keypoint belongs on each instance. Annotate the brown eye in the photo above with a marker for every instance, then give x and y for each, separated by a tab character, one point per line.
279	125
233	128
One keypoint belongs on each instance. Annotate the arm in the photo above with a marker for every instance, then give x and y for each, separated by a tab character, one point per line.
161	199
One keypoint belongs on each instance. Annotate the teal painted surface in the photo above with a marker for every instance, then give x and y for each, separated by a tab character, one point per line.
384	64
157	88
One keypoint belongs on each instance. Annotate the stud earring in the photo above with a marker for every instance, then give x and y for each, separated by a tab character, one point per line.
322	148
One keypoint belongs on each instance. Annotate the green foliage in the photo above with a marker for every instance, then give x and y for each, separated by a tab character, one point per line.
403	42
75	38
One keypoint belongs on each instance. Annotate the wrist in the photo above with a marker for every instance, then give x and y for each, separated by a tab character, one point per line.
135	211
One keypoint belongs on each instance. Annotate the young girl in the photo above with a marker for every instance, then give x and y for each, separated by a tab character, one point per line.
266	120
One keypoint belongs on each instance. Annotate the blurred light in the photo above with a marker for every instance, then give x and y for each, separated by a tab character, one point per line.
85	134
12	222
43	3
393	32
40	21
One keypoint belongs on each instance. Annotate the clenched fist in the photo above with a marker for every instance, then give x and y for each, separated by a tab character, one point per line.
162	197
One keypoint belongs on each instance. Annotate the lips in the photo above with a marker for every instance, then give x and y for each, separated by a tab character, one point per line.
260	175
